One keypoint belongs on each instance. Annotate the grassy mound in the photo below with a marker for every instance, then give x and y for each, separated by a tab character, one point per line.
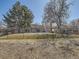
29	36
37	36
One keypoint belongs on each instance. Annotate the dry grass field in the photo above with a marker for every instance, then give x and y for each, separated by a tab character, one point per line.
39	49
38	46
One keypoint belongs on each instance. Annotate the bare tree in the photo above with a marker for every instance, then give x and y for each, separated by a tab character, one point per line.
56	11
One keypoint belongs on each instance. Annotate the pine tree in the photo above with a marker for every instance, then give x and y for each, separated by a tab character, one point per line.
19	18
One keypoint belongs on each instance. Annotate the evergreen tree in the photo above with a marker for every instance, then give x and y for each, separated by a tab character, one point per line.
19	18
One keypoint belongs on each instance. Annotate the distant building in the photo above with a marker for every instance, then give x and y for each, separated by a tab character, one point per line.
50	27
37	28
72	28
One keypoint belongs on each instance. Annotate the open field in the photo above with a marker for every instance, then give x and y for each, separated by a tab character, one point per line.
39	49
38	46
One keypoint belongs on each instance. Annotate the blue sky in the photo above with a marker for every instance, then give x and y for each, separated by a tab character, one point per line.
37	7
74	13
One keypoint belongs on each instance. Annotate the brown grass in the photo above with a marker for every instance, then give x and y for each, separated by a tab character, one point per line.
41	49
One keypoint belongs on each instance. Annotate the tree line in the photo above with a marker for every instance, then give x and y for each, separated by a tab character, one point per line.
19	18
